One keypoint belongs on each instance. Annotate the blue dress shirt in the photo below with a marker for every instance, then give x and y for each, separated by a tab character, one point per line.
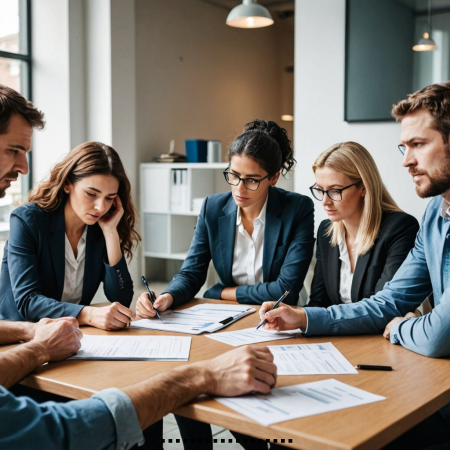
107	420
425	270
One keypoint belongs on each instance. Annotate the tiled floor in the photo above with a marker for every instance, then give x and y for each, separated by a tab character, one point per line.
171	432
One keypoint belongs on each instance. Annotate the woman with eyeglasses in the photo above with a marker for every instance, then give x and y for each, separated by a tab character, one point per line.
367	236
259	237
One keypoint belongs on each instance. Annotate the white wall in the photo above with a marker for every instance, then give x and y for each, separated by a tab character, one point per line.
51	83
319	105
197	77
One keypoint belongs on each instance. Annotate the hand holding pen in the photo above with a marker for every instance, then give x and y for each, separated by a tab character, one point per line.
283	318
275	305
140	306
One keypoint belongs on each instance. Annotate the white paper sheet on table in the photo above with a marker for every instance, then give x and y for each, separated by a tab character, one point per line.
134	348
202	318
300	400
251	336
310	359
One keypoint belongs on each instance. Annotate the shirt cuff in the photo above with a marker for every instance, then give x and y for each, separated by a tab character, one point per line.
306	326
394	333
128	431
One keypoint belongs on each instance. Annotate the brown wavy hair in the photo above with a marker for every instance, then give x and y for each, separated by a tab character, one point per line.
85	160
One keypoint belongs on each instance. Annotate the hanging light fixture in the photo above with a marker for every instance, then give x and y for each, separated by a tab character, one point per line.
249	15
426	43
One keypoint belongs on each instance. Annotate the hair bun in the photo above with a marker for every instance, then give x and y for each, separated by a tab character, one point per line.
268	143
256	125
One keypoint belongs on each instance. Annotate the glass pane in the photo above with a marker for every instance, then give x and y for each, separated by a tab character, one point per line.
14	73
13	26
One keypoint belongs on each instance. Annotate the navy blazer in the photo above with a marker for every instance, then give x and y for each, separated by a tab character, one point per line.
287	251
33	268
373	269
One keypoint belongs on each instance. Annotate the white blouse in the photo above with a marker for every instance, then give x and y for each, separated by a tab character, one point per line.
248	251
345	286
74	271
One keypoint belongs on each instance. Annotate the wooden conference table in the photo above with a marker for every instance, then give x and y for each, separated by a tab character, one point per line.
416	388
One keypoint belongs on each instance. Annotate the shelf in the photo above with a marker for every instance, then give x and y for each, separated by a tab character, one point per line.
180	256
222	165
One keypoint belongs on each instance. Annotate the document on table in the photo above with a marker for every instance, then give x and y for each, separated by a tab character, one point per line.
310	359
300	400
251	336
202	318
134	348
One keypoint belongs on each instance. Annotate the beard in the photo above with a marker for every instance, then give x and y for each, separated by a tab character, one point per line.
438	184
9	175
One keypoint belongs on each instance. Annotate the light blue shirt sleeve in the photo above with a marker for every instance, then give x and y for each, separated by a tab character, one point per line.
108	420
428	335
404	293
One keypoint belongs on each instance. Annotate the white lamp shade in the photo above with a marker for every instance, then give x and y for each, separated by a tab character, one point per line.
425	44
249	15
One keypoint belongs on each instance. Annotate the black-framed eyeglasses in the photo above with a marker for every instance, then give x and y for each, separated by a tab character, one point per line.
333	194
252	184
402	149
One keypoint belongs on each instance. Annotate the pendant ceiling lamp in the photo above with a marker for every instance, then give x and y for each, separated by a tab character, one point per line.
249	15
426	43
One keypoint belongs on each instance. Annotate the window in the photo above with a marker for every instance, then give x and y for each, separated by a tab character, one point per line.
15	72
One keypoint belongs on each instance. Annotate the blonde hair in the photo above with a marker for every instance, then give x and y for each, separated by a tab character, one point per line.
354	161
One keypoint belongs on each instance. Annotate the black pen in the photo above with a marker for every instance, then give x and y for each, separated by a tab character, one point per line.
370	367
275	306
151	296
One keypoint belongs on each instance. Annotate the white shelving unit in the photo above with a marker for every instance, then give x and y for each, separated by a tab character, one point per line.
167	217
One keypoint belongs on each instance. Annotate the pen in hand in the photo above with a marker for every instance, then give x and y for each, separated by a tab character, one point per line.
275	306
150	294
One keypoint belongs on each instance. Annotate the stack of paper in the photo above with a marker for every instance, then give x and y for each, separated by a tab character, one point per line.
251	336
300	400
310	359
159	348
203	318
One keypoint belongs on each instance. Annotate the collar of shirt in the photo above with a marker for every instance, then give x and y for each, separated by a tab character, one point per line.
445	209
261	217
81	247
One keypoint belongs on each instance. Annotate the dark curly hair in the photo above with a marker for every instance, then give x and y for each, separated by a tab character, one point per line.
267	143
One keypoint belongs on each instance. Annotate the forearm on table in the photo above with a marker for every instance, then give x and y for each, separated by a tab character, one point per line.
11	332
229	293
18	362
85	316
113	248
163	393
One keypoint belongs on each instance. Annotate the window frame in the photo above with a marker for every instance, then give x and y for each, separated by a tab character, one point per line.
26	183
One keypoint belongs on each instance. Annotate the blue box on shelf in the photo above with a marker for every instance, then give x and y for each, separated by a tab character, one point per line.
196	150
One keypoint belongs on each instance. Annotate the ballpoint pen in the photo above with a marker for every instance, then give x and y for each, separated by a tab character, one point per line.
150	294
275	306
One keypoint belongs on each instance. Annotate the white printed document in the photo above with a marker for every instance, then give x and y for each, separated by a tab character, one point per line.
251	336
310	359
300	400
202	318
134	348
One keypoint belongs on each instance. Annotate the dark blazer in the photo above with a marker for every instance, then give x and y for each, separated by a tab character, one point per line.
378	266
33	268
287	251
